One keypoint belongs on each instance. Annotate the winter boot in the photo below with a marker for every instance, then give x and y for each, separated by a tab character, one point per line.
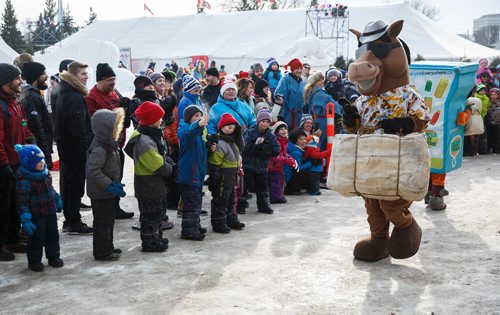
263	203
405	242
372	248
56	262
36	266
194	237
223	229
436	200
6	254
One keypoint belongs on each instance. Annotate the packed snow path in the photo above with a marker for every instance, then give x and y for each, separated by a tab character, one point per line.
298	260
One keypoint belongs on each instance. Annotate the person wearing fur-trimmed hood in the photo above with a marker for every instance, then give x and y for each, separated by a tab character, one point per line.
103	172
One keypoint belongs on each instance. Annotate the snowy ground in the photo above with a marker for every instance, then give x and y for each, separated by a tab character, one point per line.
297	261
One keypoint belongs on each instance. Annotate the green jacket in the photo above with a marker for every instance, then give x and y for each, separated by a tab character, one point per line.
150	168
223	164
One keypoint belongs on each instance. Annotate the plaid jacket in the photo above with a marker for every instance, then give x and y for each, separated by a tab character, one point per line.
35	193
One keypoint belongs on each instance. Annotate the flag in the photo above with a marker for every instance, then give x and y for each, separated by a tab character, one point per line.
146	8
205	4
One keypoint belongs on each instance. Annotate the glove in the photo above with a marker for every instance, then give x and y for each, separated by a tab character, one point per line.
397	125
350	116
59	203
296	166
211	139
124	102
27	225
116	188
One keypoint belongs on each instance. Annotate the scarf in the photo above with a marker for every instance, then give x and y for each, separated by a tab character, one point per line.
156	134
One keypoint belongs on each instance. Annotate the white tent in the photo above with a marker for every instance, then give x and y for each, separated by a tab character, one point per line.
239	39
7	54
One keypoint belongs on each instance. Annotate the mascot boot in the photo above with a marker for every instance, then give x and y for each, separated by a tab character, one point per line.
376	246
407	234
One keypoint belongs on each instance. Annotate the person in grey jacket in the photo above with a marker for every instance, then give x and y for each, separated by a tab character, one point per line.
103	171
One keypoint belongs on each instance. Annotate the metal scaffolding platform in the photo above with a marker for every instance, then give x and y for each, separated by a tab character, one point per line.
330	24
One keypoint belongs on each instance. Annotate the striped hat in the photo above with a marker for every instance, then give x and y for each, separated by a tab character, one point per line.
189	83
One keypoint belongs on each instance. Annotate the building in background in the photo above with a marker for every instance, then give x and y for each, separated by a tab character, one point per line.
487	30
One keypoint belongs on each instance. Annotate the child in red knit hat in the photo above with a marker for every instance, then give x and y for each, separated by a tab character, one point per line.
223	167
152	168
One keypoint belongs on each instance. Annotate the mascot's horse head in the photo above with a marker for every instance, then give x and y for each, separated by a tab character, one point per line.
381	58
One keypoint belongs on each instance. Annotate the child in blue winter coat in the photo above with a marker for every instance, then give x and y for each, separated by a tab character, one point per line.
272	74
38	203
260	145
192	170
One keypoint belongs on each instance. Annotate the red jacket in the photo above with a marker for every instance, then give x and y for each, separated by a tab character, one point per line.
13	131
98	99
313	153
276	163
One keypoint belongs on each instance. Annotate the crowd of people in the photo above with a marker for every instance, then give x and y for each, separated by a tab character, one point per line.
261	131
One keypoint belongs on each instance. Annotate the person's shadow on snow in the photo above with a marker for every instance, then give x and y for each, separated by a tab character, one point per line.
392	288
451	257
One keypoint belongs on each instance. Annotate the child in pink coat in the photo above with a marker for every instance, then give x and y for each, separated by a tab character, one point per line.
276	177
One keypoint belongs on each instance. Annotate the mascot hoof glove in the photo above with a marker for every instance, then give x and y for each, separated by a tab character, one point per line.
372	248
405	242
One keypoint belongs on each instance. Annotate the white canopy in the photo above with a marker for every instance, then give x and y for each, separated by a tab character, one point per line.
239	39
7	54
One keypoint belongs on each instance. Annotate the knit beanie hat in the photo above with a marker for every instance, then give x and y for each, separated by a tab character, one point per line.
155	76
333	72
32	71
29	155
305	118
227	84
484	60
480	87
141	82
190	83
104	71
149	113
213	72
227	119
294	64
8	73
495	90
270	62
259	87
243	74
264	114
63	66
278	125
169	75
189	112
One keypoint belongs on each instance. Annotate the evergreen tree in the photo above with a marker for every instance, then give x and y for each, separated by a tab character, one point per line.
92	16
340	63
9	30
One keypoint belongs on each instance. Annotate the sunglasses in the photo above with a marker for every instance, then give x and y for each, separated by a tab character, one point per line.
380	50
308	68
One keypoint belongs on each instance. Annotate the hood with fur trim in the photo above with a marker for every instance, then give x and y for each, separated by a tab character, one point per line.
74	82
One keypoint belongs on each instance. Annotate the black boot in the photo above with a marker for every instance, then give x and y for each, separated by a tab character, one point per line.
6	254
263	205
